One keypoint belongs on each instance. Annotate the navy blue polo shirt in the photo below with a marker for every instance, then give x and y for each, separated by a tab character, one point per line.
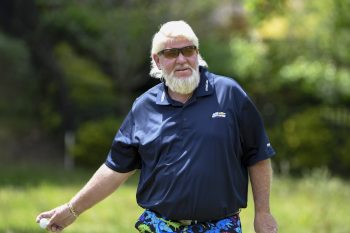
194	156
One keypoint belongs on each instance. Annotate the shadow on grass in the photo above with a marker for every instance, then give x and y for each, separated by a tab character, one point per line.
33	175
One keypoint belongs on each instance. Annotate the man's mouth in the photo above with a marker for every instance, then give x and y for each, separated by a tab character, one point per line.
183	71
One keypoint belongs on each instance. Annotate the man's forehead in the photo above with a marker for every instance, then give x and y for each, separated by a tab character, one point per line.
177	42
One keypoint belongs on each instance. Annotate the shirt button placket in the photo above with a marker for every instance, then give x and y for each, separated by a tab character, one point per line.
184	116
185	126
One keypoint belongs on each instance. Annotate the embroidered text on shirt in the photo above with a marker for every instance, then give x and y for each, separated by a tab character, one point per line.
218	114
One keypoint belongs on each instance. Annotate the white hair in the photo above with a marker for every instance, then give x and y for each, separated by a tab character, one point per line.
171	31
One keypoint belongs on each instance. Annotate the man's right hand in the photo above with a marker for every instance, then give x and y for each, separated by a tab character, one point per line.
59	218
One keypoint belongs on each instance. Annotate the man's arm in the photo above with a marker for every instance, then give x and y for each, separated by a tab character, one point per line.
102	184
260	178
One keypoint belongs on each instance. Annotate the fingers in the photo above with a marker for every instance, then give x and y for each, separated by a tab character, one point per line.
47	214
51	216
55	228
56	222
53	224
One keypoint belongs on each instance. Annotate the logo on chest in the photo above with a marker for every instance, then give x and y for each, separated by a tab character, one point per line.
218	115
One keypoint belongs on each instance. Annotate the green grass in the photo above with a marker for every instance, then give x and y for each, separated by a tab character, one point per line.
317	203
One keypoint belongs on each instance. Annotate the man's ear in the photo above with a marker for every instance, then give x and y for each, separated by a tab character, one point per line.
156	60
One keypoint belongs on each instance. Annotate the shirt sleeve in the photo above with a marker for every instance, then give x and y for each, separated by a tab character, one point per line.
123	155
255	142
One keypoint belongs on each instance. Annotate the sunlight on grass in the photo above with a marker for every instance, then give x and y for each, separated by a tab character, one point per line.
19	207
317	203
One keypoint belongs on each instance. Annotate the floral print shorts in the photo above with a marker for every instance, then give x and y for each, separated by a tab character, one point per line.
151	222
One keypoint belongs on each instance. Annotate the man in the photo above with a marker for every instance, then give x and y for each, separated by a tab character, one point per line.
195	137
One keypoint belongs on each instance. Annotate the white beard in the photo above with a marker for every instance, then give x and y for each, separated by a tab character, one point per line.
182	85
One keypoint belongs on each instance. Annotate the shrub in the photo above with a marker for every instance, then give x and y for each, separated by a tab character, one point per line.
93	140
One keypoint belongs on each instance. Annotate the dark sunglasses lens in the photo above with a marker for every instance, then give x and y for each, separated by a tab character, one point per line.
188	51
174	53
171	53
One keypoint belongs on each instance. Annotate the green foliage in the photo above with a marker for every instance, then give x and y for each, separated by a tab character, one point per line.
73	18
90	91
322	79
51	119
213	49
291	56
15	58
311	139
297	53
303	133
93	140
259	10
113	37
249	58
17	81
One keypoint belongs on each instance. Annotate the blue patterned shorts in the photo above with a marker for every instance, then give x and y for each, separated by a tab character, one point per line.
151	222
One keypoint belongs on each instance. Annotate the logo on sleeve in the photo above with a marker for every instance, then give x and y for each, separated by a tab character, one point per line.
218	114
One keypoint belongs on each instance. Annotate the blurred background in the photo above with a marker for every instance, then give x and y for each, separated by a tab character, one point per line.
70	70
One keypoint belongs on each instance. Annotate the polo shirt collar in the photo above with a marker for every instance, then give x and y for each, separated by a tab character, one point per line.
206	85
204	88
162	98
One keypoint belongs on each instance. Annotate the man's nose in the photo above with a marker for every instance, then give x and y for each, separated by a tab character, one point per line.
181	58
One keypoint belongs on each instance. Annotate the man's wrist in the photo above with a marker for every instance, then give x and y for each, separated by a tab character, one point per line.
262	210
72	210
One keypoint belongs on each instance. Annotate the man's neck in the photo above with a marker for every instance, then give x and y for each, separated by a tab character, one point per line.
183	98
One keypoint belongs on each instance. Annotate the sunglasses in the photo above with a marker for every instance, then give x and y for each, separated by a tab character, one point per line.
187	51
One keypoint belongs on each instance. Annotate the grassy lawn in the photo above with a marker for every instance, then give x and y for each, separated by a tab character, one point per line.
318	203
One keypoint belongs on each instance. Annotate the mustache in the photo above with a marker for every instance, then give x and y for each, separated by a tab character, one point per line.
182	68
